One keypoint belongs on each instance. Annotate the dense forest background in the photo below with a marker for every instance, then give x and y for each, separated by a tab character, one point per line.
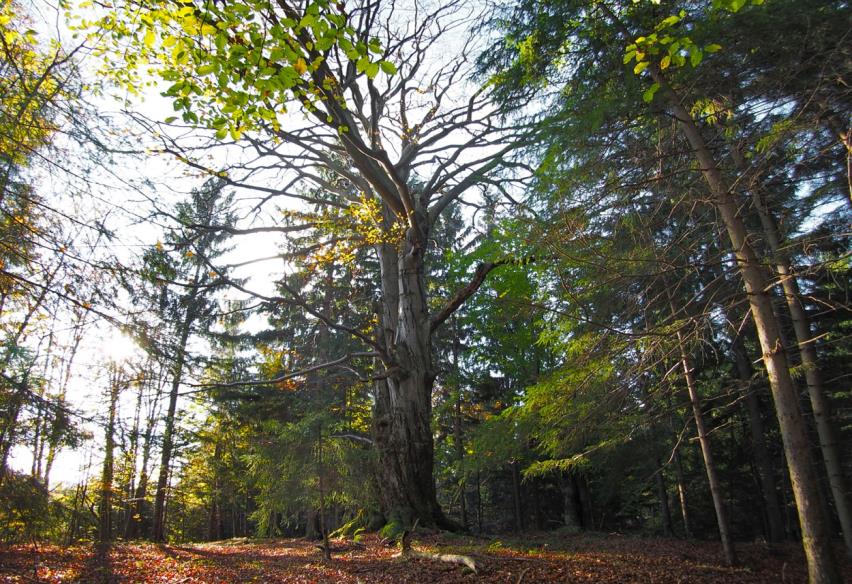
528	266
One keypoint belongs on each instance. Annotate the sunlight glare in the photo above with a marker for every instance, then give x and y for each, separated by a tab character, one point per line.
119	348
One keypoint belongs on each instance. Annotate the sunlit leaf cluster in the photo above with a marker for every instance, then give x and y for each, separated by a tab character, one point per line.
233	66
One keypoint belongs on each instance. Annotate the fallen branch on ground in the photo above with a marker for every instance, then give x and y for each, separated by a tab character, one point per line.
451	558
406	552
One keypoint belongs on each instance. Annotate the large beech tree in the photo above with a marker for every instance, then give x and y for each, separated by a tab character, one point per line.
388	137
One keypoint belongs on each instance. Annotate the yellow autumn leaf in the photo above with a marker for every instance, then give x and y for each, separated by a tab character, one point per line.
300	66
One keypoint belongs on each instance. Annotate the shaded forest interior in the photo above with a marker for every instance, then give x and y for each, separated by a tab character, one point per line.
384	271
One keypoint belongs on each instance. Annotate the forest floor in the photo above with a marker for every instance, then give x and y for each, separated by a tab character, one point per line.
582	559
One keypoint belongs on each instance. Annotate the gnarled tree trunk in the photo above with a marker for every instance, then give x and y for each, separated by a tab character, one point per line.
403	407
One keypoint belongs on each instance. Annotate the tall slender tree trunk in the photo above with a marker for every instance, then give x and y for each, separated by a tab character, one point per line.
56	430
478	502
760	452
706	451
681	494
458	436
516	496
214	526
159	527
38	423
105	501
587	510
816	536
133	458
459	444
323	512
136	521
820	405
42	420
570	514
663	496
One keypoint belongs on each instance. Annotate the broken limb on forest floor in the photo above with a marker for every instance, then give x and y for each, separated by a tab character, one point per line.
406	552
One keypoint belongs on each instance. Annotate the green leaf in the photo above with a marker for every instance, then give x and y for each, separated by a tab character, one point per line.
667	22
307	21
325	43
712	48
641	66
695	56
170	119
388	67
361	64
372	70
648	96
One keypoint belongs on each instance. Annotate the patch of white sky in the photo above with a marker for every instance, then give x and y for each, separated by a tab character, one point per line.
123	190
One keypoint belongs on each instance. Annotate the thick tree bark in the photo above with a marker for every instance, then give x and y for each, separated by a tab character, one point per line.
816	536
403	407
